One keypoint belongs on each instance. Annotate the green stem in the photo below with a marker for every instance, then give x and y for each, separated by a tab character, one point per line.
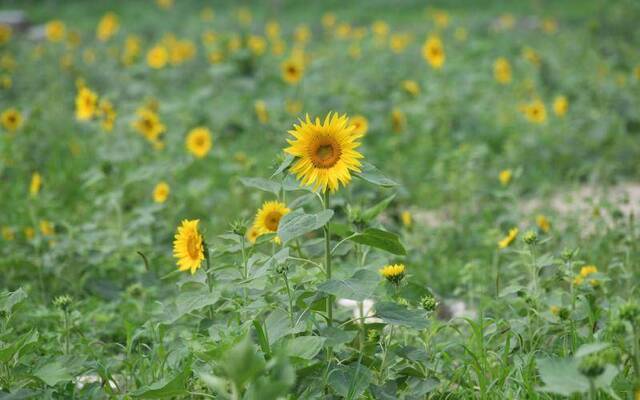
66	332
209	283
363	330
592	390
327	260
534	270
286	282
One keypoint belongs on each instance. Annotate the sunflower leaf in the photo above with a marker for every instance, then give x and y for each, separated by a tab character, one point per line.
381	240
373	175
297	223
288	159
262	184
374	211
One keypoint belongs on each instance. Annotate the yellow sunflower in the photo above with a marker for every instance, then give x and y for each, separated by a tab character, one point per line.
507	240
560	106
107	27
5	33
505	176
199	141
86	104
35	185
292	70
360	124
393	273
252	234
161	192
543	223
158	57
268	218
326	152
11	119
148	124
188	246
55	31
433	52
502	71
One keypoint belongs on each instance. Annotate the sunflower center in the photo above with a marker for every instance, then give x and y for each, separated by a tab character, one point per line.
193	247
272	220
199	141
292	70
325	153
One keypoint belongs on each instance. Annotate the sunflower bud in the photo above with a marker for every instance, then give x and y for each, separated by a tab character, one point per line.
530	237
63	302
239	227
429	303
592	366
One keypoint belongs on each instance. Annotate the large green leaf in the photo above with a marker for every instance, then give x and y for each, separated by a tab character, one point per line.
9	299
359	287
305	347
371	174
297	223
53	373
381	240
396	314
168	387
350	381
562	376
242	362
262	184
372	212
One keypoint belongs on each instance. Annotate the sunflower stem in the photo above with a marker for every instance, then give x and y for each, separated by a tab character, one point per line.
327	260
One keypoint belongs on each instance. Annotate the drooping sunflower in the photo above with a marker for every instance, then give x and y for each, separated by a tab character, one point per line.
507	240
252	234
11	119
268	217
188	246
199	141
326	152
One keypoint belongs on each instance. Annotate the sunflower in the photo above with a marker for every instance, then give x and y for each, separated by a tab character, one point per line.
268	218
360	124
535	112
505	176
157	57
560	106
5	33
292	70
11	119
326	152
261	111
199	141
433	52
55	31
543	223
46	228
252	234
107	27
507	240
148	124
412	87
393	273
188	246
398	120
35	185
86	104
502	71
161	192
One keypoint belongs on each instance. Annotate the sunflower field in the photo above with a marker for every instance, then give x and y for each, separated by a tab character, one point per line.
282	199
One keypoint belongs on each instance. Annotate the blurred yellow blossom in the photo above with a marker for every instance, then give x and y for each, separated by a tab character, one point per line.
507	240
199	141
55	31
161	192
11	119
35	185
433	52
502	70
560	106
505	176
107	27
